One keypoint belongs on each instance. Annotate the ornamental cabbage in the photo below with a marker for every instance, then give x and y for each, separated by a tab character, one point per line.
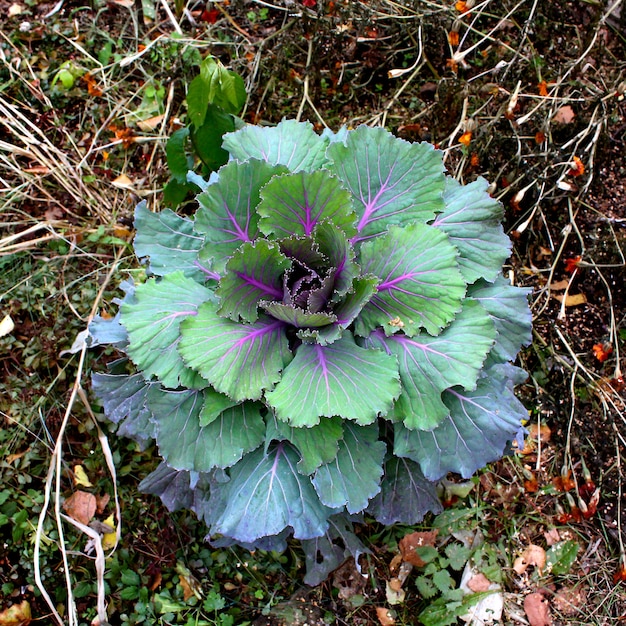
327	338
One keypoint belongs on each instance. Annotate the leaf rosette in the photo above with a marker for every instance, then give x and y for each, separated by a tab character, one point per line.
329	335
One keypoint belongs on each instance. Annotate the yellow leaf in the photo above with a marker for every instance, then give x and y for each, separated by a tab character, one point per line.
109	539
122	182
16	615
80	477
573	300
6	326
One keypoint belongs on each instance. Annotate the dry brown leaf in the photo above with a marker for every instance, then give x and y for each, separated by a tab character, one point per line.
552	536
54	213
479	582
572	300
81	506
122	181
537	610
532	555
559	285
187	590
16	615
151	123
101	503
564	115
385	616
409	542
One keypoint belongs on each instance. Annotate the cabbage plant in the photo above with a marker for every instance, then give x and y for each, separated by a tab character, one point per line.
328	337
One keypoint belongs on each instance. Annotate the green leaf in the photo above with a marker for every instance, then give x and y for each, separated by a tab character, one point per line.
254	273
214	404
316	445
326	553
124	399
153	324
333	244
174	487
420	282
227	213
296	316
295	203
425	587
443	581
214	85
405	495
177	160
508	307
239	360
169	240
175	193
207	138
561	556
198	100
338	379
481	423
128	577
353	477
266	494
391	180
185	445
428	365
472	221
290	143
458	555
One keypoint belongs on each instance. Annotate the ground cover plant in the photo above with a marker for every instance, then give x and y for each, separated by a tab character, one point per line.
325	282
528	95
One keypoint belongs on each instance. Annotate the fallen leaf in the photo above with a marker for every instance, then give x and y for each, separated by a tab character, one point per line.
552	536
466	138
122	181
560	285
392	594
80	477
187	590
409	542
572	299
16	615
602	351
6	325
109	539
54	213
385	617
81	506
564	115
15	9
533	555
16	457
537	610
572	263
151	123
578	169
101	503
479	582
